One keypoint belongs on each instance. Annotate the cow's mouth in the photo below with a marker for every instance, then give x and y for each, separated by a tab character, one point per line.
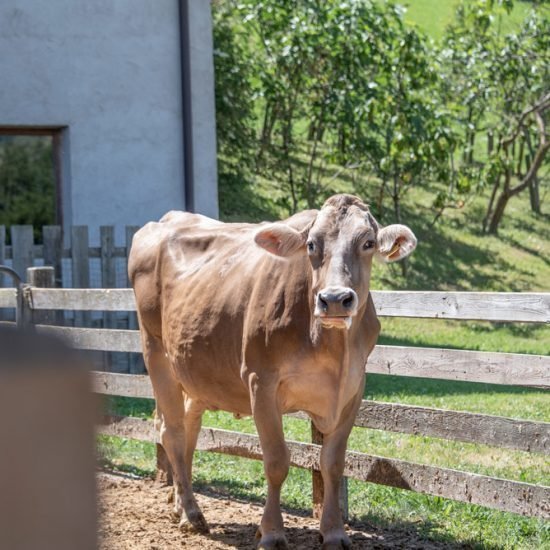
341	322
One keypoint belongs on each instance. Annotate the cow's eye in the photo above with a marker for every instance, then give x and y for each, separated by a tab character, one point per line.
311	247
368	245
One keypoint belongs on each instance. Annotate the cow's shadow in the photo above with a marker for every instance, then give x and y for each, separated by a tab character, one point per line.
362	535
242	536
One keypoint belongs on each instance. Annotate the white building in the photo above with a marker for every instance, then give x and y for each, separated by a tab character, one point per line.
126	88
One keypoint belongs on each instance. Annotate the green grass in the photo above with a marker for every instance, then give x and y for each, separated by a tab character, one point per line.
433	16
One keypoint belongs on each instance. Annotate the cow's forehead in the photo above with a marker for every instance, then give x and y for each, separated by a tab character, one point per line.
335	222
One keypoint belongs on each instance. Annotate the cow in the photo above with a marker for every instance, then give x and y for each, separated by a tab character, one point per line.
263	320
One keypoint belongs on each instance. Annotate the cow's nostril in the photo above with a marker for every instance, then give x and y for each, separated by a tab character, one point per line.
324	303
348	302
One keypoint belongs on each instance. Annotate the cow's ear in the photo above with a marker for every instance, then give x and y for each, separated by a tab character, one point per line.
280	239
395	242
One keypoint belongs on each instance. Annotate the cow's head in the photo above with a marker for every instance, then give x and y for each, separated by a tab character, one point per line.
341	243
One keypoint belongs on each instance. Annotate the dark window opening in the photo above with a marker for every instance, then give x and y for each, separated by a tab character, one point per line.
29	178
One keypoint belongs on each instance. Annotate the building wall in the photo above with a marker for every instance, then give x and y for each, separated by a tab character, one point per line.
109	72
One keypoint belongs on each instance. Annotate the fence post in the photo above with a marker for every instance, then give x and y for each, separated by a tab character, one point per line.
43	277
108	280
80	267
318	486
22	242
53	250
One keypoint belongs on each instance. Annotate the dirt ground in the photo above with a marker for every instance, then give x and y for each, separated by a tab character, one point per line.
135	514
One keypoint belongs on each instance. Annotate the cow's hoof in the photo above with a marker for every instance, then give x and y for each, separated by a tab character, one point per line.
271	541
194	523
336	541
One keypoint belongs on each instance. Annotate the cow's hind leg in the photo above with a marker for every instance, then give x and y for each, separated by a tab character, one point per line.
276	463
180	420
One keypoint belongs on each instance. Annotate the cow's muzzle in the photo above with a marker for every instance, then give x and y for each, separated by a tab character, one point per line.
335	306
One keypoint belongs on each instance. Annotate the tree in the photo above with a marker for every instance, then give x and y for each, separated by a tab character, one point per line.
495	85
27	186
346	84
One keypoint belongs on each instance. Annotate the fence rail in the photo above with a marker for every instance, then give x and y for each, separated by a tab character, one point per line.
532	307
497	368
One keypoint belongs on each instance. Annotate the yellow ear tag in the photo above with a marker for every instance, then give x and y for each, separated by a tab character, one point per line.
394	250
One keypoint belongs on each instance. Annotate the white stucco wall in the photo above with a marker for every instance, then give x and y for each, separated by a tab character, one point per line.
109	71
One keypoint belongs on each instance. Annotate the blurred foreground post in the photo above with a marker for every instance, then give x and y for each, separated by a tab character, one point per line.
47	462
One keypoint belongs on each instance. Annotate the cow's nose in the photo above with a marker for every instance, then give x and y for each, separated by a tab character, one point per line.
336	302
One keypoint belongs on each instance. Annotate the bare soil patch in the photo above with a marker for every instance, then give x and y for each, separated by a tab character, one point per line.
135	514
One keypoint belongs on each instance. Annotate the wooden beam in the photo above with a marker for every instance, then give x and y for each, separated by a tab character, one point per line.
522	435
481	306
510	496
469	366
125	385
529	307
8	297
91	299
99	339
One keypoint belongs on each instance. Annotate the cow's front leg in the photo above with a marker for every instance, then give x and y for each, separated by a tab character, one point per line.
269	423
333	457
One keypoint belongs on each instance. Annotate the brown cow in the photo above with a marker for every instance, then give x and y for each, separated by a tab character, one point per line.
261	320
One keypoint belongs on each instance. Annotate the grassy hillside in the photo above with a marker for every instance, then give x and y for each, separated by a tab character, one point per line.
432	16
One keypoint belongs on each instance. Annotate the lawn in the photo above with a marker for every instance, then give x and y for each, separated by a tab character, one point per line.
433	16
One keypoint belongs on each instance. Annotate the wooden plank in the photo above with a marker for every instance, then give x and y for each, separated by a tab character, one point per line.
42	277
80	265
523	435
96	338
125	385
92	299
530	307
7	297
129	427
53	250
470	366
510	496
460	426
108	279
93	252
22	242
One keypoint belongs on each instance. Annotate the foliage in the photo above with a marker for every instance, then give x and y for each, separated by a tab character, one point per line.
495	85
27	187
234	96
344	83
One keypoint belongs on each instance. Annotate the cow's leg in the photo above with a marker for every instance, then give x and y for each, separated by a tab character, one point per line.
269	423
178	431
333	456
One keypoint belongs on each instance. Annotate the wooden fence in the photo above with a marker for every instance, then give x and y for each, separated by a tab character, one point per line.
77	265
495	368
